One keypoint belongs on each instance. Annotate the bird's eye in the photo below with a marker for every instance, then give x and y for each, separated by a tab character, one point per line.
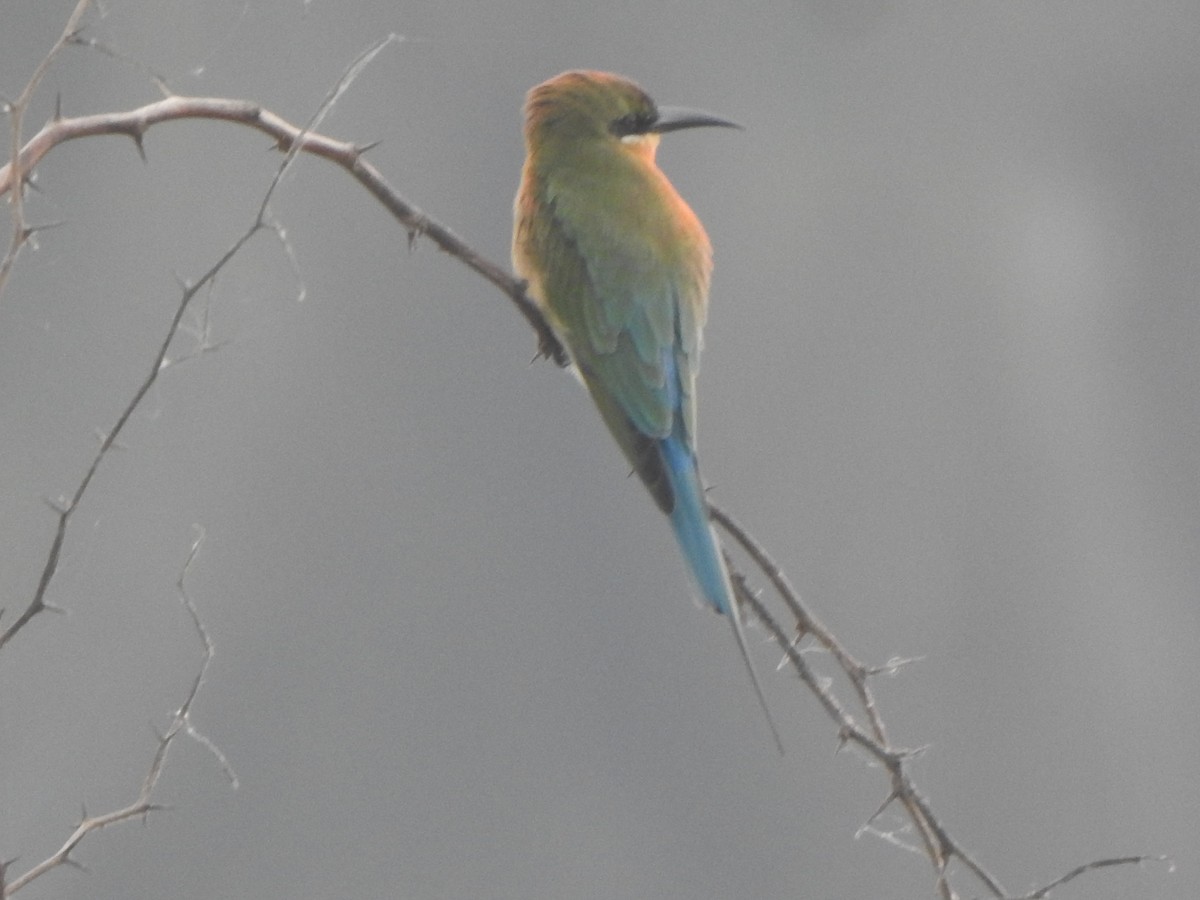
638	122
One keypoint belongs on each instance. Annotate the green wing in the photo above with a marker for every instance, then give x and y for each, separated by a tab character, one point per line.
628	318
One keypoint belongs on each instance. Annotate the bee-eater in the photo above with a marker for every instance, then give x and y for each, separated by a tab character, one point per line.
619	265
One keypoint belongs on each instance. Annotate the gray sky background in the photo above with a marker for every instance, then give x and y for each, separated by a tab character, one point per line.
951	382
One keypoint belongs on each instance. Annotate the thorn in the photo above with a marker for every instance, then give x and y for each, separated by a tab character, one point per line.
360	149
843	741
38	229
147	808
892	666
50	607
101	436
882	806
141	148
58	107
412	239
73	863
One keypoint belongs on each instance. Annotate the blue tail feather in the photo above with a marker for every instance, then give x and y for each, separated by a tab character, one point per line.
689	519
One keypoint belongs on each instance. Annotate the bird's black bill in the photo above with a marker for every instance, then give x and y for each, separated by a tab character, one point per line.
675	118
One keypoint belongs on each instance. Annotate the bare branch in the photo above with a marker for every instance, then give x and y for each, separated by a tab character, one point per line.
134	124
936	842
144	804
157	366
16	114
292	140
1043	892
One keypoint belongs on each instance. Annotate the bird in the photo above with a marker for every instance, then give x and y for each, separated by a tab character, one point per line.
619	266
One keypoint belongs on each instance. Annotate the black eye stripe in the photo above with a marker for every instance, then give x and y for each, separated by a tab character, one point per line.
633	123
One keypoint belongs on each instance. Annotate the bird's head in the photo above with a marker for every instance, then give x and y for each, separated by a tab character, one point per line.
599	107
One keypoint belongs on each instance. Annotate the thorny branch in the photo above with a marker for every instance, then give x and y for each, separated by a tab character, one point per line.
181	724
292	140
937	844
870	734
16	113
